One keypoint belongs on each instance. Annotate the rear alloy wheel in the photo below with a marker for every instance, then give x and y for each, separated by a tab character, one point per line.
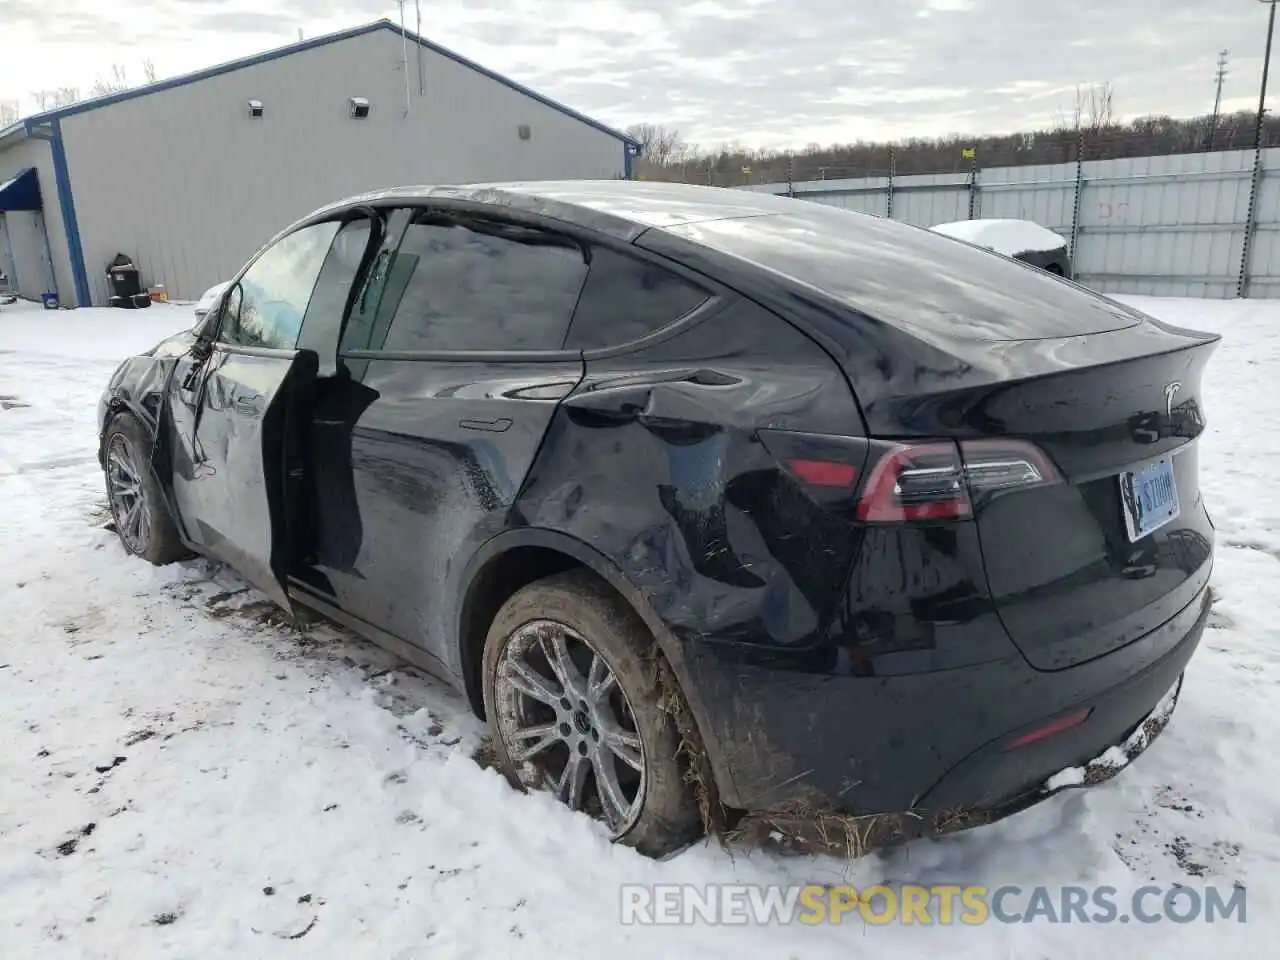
568	724
574	708
137	506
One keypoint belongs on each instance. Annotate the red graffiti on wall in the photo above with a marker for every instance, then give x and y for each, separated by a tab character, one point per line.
1117	211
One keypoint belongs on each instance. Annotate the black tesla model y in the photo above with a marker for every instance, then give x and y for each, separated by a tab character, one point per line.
846	513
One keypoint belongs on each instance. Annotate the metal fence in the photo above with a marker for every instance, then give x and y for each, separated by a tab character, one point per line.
1193	224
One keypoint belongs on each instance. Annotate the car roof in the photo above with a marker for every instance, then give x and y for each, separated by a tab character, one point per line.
913	279
622	208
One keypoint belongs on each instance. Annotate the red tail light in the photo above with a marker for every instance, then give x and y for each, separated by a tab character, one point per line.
923	481
938	480
908	482
824	473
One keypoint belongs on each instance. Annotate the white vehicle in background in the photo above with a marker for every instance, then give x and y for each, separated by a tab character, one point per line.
1021	239
209	299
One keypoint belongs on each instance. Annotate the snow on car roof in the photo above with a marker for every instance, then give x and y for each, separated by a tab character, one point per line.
1003	236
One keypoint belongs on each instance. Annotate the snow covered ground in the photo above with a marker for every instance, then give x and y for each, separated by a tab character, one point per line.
180	776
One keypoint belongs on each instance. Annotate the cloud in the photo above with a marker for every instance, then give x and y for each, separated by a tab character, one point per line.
242	21
771	72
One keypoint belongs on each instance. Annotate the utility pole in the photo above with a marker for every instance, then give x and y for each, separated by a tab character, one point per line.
1242	283
1266	66
1220	76
422	79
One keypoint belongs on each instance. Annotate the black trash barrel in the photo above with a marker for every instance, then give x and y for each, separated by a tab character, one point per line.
122	275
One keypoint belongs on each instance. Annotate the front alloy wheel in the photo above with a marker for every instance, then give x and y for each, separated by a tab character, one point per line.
141	517
127	495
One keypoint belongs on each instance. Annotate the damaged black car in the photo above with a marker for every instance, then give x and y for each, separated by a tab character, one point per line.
716	505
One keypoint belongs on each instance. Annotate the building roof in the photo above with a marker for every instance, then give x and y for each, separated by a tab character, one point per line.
26	125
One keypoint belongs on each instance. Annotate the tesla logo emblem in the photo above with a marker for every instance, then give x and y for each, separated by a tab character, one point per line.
1169	391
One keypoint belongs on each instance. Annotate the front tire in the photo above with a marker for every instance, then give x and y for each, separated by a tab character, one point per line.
575	706
137	504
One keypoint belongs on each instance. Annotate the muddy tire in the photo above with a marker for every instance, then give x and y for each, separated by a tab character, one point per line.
575	706
138	508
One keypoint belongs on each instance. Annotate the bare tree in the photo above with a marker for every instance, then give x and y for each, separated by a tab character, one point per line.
1093	108
54	98
1101	105
149	70
659	143
117	81
10	112
683	152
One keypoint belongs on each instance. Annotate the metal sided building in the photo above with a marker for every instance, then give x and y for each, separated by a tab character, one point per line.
190	176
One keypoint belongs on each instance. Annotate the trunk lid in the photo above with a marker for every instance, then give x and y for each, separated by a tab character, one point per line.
1072	570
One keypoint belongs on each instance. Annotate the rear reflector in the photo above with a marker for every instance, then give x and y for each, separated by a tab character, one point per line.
824	473
1062	723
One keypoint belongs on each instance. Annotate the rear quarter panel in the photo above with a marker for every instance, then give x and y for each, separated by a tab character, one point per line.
653	462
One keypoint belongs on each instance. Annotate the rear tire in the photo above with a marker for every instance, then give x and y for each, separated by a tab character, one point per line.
575	706
137	504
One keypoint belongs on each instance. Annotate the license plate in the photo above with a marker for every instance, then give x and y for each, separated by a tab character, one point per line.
1149	497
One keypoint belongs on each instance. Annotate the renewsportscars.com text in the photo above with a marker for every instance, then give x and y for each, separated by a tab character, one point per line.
941	904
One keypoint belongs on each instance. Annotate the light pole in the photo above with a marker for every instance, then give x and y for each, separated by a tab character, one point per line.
1266	66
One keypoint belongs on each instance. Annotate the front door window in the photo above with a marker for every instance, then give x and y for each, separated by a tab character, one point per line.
275	291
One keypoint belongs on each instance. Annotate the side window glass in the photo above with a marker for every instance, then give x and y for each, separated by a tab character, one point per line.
323	319
463	283
275	291
625	299
373	306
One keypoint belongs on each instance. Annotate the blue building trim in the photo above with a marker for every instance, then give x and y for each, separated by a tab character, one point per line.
86	105
66	200
36	128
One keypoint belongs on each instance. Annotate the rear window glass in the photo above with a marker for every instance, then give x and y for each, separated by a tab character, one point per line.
910	277
626	299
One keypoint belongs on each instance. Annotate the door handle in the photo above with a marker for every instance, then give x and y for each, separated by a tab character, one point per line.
248	402
496	425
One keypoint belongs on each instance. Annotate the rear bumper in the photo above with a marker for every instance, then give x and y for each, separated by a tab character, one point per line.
932	744
999	781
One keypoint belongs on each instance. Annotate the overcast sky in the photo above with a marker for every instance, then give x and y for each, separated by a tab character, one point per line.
762	72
